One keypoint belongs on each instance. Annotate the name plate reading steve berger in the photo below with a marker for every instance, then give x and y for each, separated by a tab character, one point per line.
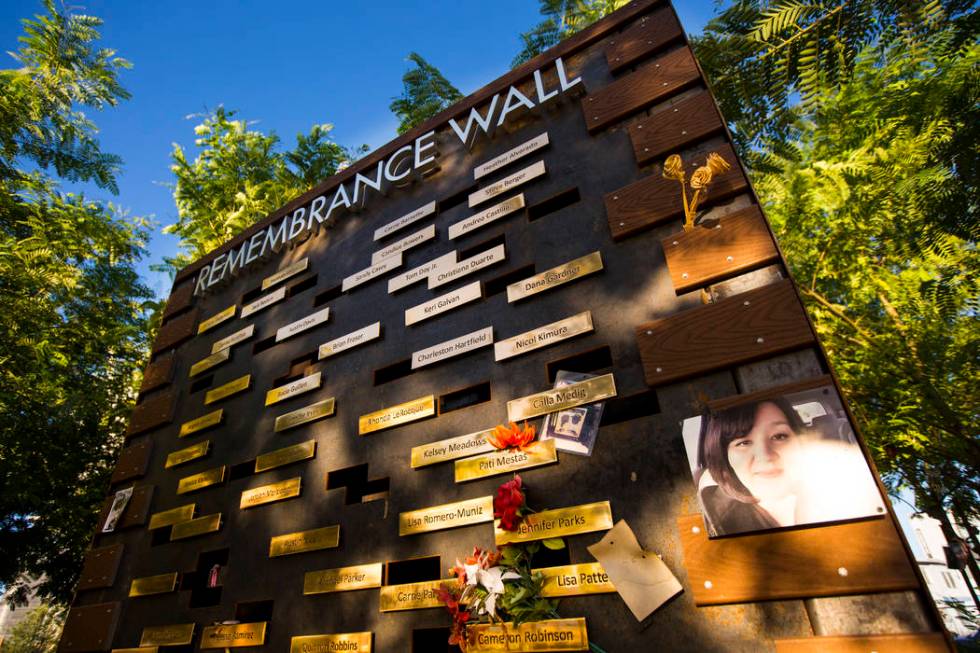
543	336
451	449
448	515
346	642
344	579
259	496
299	326
560	522
351	340
575	580
409	411
510	156
411	596
317	539
274	297
551	635
538	453
476	262
406	243
241	384
290	270
233	636
487	216
203	422
444	303
551	401
456	347
305	415
405	220
216	319
497	188
172	635
285	456
421	272
555	277
294	388
230	341
187	454
376	270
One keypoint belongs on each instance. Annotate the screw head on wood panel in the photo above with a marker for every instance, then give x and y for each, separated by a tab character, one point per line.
760	340
708	585
684	275
650	333
675	243
595	117
622	224
746	303
842	571
664	84
617	58
656	65
615	197
646	149
639	126
695	529
729	258
659	370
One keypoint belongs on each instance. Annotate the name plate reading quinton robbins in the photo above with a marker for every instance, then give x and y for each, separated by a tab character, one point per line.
172	635
149	585
259	496
551	635
538	453
555	277
273	297
317	539
455	347
476	262
230	341
346	642
287	272
376	270
406	243
575	580
448	515
451	449
216	319
551	401
421	272
351	340
299	326
520	177
285	456
240	384
487	216
294	388
343	579
233	636
409	411
187	454
510	156
543	336
208	362
194	527
405	220
305	415
560	522
411	596
200	423
444	303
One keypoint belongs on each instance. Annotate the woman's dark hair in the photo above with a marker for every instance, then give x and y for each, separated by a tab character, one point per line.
720	428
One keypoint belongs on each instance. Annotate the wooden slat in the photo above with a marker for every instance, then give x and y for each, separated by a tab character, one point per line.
777	391
855	558
133	461
654	200
736	243
649	34
100	567
181	298
156	411
654	82
176	331
89	628
688	121
752	325
137	510
915	643
158	374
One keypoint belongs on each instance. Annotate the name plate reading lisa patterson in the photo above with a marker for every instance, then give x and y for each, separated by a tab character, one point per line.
346	642
551	401
317	539
230	341
305	415
551	635
299	326
259	496
555	277
444	303
216	319
376	270
294	388
343	579
476	262
172	635
385	418
405	220
497	188
575	580
233	636
560	522
487	216
510	156
287	272
411	596
456	347
203	422
273	297
544	336
241	384
538	453
351	340
451	449
406	243
448	515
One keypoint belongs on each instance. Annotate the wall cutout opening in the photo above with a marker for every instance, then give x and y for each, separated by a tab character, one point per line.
358	489
545	557
432	640
416	570
301	286
499	283
241	470
327	295
252	294
479	248
202	384
465	397
207	578
455	199
589	360
298	368
262	345
252	611
556	202
394	371
623	409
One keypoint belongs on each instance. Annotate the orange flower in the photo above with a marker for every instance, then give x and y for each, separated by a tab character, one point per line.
513	437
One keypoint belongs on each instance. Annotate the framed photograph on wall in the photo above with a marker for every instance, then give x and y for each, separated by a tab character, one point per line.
574	429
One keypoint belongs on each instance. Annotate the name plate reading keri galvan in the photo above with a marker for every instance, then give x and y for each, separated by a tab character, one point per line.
293	389
200	423
376	270
518	178
551	635
216	319
240	384
455	347
187	454
299	326
343	579
409	411
476	262
346	642
233	636
316	539
172	635
351	340
555	277
536	454
208	362
287	272
405	220
230	341
285	456
194	527
411	596
421	272
451	449
170	517
149	585
273	297
406	243
448	515
551	401
305	415
444	303
511	155
560	522
543	336
487	216
575	580
259	496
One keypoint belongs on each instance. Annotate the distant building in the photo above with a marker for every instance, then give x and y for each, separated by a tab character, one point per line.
10	617
929	545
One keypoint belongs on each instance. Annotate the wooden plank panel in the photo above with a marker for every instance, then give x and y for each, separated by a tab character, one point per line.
754	324
133	461
100	567
89	628
158	374
654	82
737	243
156	411
916	643
690	120
137	510
181	298
176	331
651	33
854	558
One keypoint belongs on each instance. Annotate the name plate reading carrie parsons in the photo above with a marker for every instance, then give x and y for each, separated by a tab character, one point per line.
411	596
194	527
448	515
187	454
510	156
294	388
344	579
208	362
520	177
487	216
444	303
149	585
560	522
172	635
203	422
216	319
551	635
539	453
170	517
305	415
230	341
233	636
575	580
543	336
555	277
405	220
406	243
409	411
451	449
476	262
259	496
287	272
240	384
299	326
264	302
551	401
455	347
351	340
421	272
376	270
346	642
285	456
317	539
200	481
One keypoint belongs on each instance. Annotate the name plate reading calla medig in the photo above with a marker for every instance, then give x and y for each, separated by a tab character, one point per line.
455	347
240	384
170	517
343	579
555	277
448	515
200	481
476	262
405	220
551	401
285	456
172	635
194	527
560	522
208	362
305	415
410	411
287	272
230	341
233	636
575	580
536	454
351	340
346	642
444	303
299	326
412	596
421	272
203	422
544	336
487	216
551	635
520	177
187	454
216	319
259	496
376	270
293	389
451	449
262	303
511	155
316	539
149	585
406	243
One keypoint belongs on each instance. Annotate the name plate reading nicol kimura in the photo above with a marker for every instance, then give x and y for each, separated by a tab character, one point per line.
508	157
444	303
299	326
551	635
149	585
346	642
575	580
518	178
286	273
409	411
316	539
172	635
170	517
285	456
405	220
216	319
406	243
411	596
543	336
259	496
451	449
200	423
476	262
421	272
448	515
230	341
294	388
455	347
487	216
194	527
555	277
208	362
305	415
273	297
233	636
538	453
560	522
187	454
351	340
201	481
240	384
344	579
550	401
376	270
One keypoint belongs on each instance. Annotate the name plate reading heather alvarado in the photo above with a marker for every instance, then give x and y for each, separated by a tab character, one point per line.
560	522
216	319
575	580
448	515
551	401
194	527
555	277
264	302
208	362
376	270
550	635
200	481
290	270
405	413
305	415
483	218
451	449
294	388
476	262
444	303
317	539
536	454
200	423
230	341
510	156
544	336
456	347
285	456
421	272
351	340
299	326
149	585
173	635
233	636
170	517
187	454
520	177
411	596
343	579
405	220
346	642
240	384
406	243
259	496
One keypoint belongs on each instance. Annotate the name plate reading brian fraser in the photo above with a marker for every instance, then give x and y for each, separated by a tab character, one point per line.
351	340
406	243
456	347
346	642
476	262
444	303
411	596
376	270
299	326
451	449
421	272
294	388
344	579
317	539
497	188
305	415
259	496
289	271
230	341
543	336
385	418
538	453
405	220
448	515
273	297
555	277
233	636
551	635
487	216
560	522
551	401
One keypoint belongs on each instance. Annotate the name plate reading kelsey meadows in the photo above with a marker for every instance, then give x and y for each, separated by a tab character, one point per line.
351	340
216	319
200	423
560	522
405	220
543	336
555	277
551	635
411	596
273	297
551	401
259	496
317	539
173	635
520	177
448	515
233	636
409	411
230	341
285	456
240	384
170	517
421	272
455	347
149	585
575	580
305	415
346	642
476	262
444	303
187	454
510	156
294	388
200	481
487	216
538	453
406	243
287	272
299	326
451	449
343	579
194	527
208	362
376	270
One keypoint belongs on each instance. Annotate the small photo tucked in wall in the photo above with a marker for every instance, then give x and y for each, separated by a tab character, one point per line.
784	460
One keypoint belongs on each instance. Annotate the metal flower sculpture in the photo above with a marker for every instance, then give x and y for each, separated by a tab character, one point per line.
700	181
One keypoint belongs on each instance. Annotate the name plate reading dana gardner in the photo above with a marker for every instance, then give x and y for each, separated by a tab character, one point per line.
261	303
170	517
216	319
451	449
376	270
411	596
550	401
287	272
149	585
187	454
233	636
240	384
405	220
290	390
259	496
510	156
285	456
386	418
343	579
317	539
555	277
448	515
575	580
299	326
351	340
230	341
550	635
450	348
305	415
533	171
194	527
487	216
538	453
543	336
444	303
560	522
203	422
346	642
201	481
172	635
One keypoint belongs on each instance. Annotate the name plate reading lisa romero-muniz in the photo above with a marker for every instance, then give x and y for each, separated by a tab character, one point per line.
233	636
406	243
187	454
510	156
194	527
351	340
305	415
405	220
538	453
551	401
455	347
203	422
555	277
230	341
216	319
560	522
551	635
444	303
448	515
385	418
575	580
507	183
170	517
343	579
287	272
201	481
476	262
451	449
299	326
240	384
347	642
149	585
421	272
317	539
411	596
261	303
487	216
208	362
259	496
376	270
285	456
173	635
290	390
543	336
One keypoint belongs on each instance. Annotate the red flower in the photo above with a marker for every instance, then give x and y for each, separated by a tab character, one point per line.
513	437
508	504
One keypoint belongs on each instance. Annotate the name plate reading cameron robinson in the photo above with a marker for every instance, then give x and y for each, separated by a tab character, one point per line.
476	262
273	297
287	272
259	496
170	517
560	522
550	401
406	243
285	456
444	303
149	585
241	384
421	272
187	454
316	539
294	388
520	177
539	453
551	635
351	340
216	319
487	216
575	580
208	362
376	270
299	326
510	156
448	515
230	341
200	481
455	347
555	277
200	423
411	596
405	220
451	449
346	642
344	579
409	411
233	636
194	527
172	635
543	336
305	415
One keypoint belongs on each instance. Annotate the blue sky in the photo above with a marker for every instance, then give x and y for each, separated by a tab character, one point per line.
285	64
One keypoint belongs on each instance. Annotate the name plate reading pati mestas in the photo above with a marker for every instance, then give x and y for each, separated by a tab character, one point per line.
560	522
285	456
208	362
230	341
259	496
444	303
543	336
476	262
551	635
448	515
421	272
294	388
406	243
201	481
299	326
405	220
520	177
240	384
289	271
216	319
347	642
409	411
454	347
264	302
233	636
555	277
317	539
187	454
343	579
510	156
351	340
411	596
376	270
487	216
172	635
551	401
195	527
451	449
538	453
200	423
305	415
148	585
170	517
575	580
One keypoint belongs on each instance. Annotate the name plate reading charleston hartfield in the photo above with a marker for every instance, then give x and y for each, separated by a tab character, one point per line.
208	362
173	635
274	297
200	423
456	347
543	336
405	220
551	635
406	243
351	340
305	415
510	156
344	579
376	270
551	401
421	272
476	262
233	636
520	177
317	539
448	515
285	456
149	585
240	384
485	217
451	449
290	390
555	277
170	517
299	326
411	596
287	272
216	319
346	642
187	454
230	341
444	303
538	453
201	481
409	411
259	496
575	580
194	527
561	522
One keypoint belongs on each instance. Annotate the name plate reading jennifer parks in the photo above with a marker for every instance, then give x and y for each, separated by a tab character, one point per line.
411	596
421	272
289	271
203	422
560	522
406	243
409	411
376	270
510	156
520	177
487	216
240	384
551	635
317	539
448	515
555	277
346	642
172	635
299	326
233	636
351	340
476	262
230	341
551	401
405	220
544	336
216	319
259	496
305	415
451	449
208	362
285	456
264	302
539	453
575	580
187	454
444	303
343	579
456	347
290	390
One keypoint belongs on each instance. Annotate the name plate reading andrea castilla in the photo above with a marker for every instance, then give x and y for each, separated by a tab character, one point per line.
299	326
187	454
294	388
216	319
240	384
317	539
510	156
173	635
273	297
575	580
451	449
543	336
444	303
343	579
409	411
555	277
194	527
305	415
551	401
259	496
208	362
551	635
456	347
170	517
411	596
201	481
421	272
405	220
497	188
351	340
365	275
487	216
538	453
233	636
203	422
346	642
448	515
560	522
230	341
476	262
287	272
149	585
285	456
406	243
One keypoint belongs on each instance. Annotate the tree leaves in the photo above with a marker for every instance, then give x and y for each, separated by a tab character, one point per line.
426	92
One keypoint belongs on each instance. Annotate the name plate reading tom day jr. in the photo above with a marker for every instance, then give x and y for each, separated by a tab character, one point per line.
170	517
187	454
203	422
285	456
406	243
497	188
305	415
560	522
351	340
575	580
365	275
287	272
551	635
230	341
487	216
294	388
448	515
536	454
241	384
409	411
543	336
172	635
455	347
555	277
316	539
259	496
451	449
411	596
511	155
216	319
262	303
476	262
149	585
194	527
208	362
443	303
200	481
233	636
344	579
346	642
299	326
421	272
550	401
405	220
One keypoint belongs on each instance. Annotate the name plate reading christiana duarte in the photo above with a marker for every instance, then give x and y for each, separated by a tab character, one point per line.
447	515
172	635
290	390
560	522
485	259
555	277
346	642
405	413
538	453
259	496
411	596
550	401
285	456
551	635
305	415
233	636
343	579
451	449
316	539
543	336
353	339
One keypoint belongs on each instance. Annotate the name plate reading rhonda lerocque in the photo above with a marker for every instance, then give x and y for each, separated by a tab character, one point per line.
149	585
406	243
187	454
172	635
344	579
217	319
259	496
551	635
456	347
575	580
421	272
476	262
451	449
240	384
317	539
560	522
409	411
285	456
294	388
201	481
551	401
538	453
305	415
497	188
208	362
194	527
510	156
543	336
444	303
170	517
230	341
405	220
448	515
487	216
233	636
555	277
264	302
411	596
203	422
351	340
290	270
299	326
365	275
346	642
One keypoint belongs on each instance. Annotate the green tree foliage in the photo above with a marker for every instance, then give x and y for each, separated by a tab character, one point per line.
426	92
562	19
39	632
72	323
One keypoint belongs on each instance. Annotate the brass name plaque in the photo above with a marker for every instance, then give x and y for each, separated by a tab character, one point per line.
240	384
148	585
203	422
170	517
376	270
195	527
351	340
543	336
476	262
551	635
555	277
290	390
456	347
141	649
201	481
208	362
317	539
285	456
385	418
533	171
287	272
174	635
510	156
216	319
561	522
230	341
233	636
575	580
299	326
421	272
346	642
405	220
451	449
538	453
550	401
187	454
305	415
343	579
448	515
259	496
483	218
444	303
411	596
406	243
273	297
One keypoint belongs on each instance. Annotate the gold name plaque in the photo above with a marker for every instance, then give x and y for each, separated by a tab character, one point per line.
451	449
367	274
230	341
448	515
195	527
240	384
404	244
216	319
259	496
551	635
203	422
411	596
235	636
264	302
173	635
285	456
299	326
543	336
351	340
523	176
290	390
450	348
148	585
483	218
200	481
141	649
345	642
511	155
575	580
170	517
561	522
551	401
476	262
305	415
443	303
421	272
555	277
287	272
343	579
538	453
385	418
405	220
208	362
187	454
317	539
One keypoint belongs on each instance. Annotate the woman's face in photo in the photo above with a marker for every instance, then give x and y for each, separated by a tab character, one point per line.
763	458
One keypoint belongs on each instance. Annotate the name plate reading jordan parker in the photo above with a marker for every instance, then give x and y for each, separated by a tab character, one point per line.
259	496
208	362
172	635
456	347
575	580
448	515
346	642
406	243
487	216
543	336
444	303
451	449
551	635
411	596
287	272
376	270
230	341
203	422
538	453
351	340
561	522
217	319
421	272
476	262
555	277
305	415
149	585
290	390
409	411
194	527
343	579
285	456
510	156
317	539
187	454
299	326
233	636
273	297
405	220
240	384
551	401
170	517
520	177
201	481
